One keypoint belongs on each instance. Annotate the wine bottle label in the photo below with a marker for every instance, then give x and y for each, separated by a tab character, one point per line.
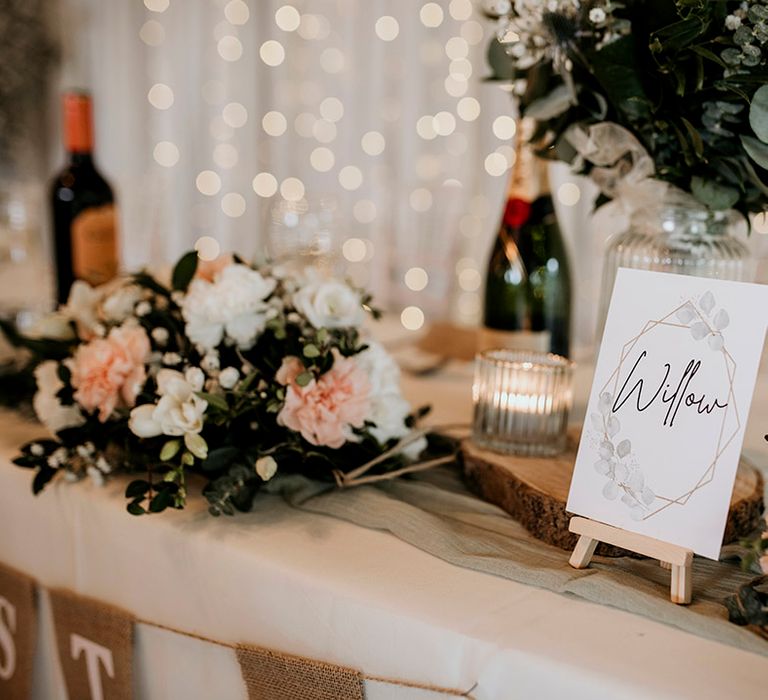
94	244
493	339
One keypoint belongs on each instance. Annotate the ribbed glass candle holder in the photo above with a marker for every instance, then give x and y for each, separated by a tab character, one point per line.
521	400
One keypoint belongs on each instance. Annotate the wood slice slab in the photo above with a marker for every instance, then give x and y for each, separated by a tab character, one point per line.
534	490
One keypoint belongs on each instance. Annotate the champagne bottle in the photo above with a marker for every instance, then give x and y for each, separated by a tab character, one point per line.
84	216
528	289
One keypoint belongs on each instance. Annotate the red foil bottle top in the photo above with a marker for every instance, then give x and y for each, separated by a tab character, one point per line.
517	212
78	122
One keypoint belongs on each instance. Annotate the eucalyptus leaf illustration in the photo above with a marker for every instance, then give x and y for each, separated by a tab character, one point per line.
686	314
636	512
597	421
715	341
602	466
606	449
721	320
648	496
699	330
604	404
611	490
620	472
613	426
707	302
636	481
627	500
624	448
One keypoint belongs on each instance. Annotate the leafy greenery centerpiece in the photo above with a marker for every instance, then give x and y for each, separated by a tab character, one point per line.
230	371
643	92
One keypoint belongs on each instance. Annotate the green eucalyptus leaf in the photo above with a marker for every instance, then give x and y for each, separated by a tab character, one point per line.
214	400
311	351
698	144
196	444
42	478
170	449
188	459
756	150
137	488
160	501
184	271
135	508
713	194
304	378
499	62
758	113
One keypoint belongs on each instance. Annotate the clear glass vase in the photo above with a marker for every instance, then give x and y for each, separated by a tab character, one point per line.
685	239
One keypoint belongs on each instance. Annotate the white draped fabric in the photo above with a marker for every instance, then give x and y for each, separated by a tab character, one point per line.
380	103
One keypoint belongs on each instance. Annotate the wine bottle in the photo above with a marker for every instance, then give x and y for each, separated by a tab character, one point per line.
84	215
527	302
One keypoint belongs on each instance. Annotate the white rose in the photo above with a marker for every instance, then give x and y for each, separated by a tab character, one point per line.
228	377
120	304
329	304
178	412
47	406
231	307
389	409
266	467
82	307
54	325
195	378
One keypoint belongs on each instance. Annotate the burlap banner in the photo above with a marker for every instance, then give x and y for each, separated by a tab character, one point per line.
18	630
95	643
95	646
276	676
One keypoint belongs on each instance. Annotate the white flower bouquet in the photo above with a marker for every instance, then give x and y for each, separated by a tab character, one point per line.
233	372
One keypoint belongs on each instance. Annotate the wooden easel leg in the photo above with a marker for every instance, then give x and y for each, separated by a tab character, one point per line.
582	552
681	584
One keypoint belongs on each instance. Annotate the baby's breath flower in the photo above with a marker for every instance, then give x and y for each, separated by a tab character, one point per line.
171	358
597	15
228	377
160	335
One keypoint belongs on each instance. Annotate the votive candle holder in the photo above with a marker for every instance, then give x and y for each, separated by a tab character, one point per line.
521	402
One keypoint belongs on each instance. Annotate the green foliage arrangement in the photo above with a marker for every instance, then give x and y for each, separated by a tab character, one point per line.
688	78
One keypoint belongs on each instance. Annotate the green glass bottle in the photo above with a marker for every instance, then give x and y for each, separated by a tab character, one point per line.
527	303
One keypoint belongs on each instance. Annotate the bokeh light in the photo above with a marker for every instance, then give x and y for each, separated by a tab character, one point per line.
416	279
387	28
166	153
207	248
208	182
412	318
264	184
569	194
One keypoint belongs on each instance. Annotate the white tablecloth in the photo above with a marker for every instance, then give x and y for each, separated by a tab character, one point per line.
326	589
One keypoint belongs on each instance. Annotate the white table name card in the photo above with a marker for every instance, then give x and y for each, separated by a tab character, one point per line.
666	417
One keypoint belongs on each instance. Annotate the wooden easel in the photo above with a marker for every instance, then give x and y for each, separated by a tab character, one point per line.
671	556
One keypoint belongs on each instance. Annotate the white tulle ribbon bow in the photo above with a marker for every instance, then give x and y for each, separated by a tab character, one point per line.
624	172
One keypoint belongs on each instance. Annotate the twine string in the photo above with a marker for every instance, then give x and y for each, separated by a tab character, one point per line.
351	478
453	692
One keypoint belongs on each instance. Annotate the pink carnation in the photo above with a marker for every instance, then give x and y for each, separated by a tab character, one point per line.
110	371
325	410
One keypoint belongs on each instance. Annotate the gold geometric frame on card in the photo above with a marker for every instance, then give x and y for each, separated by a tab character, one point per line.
730	370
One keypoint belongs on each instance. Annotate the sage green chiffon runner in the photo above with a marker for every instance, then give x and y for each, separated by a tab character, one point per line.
436	513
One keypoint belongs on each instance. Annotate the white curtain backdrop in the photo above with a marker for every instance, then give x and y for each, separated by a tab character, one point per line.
380	103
